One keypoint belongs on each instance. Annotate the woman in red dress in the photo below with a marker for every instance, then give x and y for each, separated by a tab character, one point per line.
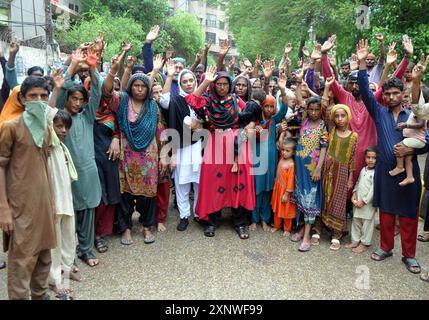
219	187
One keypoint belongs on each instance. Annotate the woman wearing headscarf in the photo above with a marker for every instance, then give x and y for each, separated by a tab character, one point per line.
220	187
137	115
186	163
338	174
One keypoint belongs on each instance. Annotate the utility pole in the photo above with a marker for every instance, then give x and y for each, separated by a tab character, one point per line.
48	22
49	35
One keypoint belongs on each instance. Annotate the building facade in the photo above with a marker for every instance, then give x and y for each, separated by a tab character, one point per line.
212	19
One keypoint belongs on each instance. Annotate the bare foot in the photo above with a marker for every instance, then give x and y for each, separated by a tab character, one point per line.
74	274
285	233
252	227
407	181
274	230
360	249
352	245
396	171
161	227
265	226
234	167
60	289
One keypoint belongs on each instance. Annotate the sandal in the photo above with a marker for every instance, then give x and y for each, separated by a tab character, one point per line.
412	265
424	276
315	239
380	255
209	231
335	245
297	236
305	246
424	237
74	274
101	245
243	232
86	257
148	238
64	296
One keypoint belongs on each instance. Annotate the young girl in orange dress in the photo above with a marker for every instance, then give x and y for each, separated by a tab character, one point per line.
284	185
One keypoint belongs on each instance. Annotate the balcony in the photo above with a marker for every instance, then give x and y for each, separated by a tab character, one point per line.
58	9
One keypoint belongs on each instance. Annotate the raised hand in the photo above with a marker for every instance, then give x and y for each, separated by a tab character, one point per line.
333	61
158	62
329	82
13	48
78	56
288	48
92	58
114	65
224	47
199	55
207	46
391	55
248	65
299	75
317	52
288	63
299	63
258	61
268	68
379	37
153	34
130	62
362	49
58	78
171	70
169	52
282	81
231	63
305	52
211	74
354	63
329	44
99	44
126	46
408	46
420	68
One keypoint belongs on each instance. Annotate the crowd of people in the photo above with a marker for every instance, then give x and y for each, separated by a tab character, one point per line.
293	150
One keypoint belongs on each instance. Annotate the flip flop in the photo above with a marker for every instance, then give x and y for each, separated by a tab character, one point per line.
424	237
85	257
412	263
424	276
315	239
304	247
335	245
381	254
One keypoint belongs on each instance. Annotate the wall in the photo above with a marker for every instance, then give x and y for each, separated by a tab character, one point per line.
27	57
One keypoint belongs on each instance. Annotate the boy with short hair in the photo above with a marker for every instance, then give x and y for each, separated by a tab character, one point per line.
27	210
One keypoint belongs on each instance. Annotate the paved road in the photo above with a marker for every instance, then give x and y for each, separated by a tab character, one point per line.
267	266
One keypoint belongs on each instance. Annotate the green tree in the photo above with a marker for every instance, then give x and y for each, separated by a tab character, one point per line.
116	30
186	34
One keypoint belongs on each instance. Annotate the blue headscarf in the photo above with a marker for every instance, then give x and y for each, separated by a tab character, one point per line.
141	132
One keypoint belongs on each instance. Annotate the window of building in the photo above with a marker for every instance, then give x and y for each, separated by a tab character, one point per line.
211	36
211	20
76	8
222	25
233	44
71	6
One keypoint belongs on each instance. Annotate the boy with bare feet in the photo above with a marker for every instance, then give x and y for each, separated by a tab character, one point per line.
363	211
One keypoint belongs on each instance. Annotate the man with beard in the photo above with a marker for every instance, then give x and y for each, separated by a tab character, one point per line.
389	197
345	70
376	70
361	122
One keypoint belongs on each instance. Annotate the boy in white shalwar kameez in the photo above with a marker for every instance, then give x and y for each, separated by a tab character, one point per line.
363	212
63	173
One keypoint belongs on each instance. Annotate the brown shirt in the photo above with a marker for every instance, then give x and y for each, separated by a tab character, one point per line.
28	189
